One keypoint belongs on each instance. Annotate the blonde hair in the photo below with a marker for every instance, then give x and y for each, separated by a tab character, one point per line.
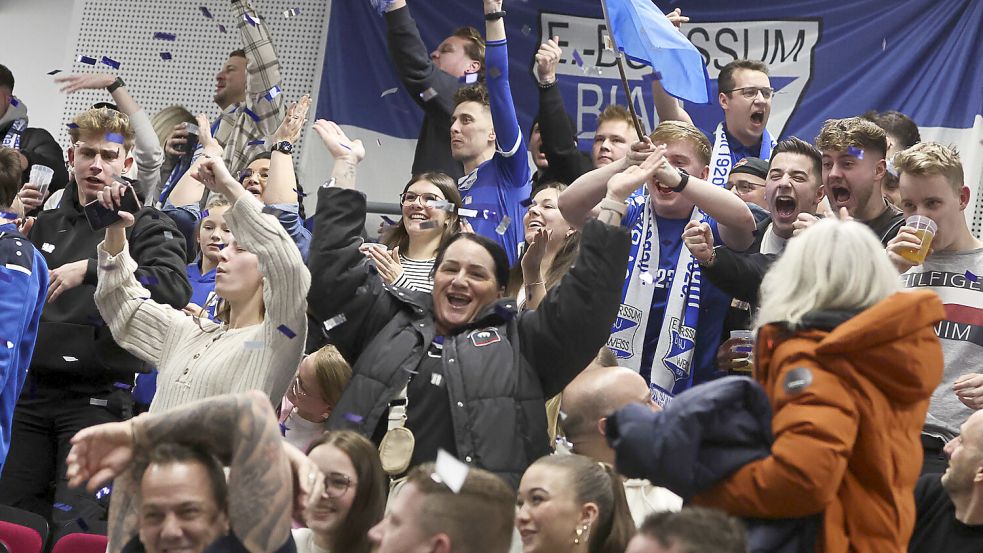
166	119
332	372
673	131
102	121
840	135
930	159
832	265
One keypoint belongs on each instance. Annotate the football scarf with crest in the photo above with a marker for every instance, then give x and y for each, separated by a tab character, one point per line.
674	354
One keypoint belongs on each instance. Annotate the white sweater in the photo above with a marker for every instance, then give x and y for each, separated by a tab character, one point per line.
196	363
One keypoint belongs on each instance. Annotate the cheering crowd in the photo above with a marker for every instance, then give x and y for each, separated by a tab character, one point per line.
599	352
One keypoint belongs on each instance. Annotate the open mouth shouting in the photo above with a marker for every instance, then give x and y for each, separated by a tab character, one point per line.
840	195
758	118
786	208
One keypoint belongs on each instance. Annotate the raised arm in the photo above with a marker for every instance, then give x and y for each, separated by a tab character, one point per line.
508	135
577	202
343	284
241	430
566	161
413	63
147	152
734	219
667	107
281	187
262	69
286	280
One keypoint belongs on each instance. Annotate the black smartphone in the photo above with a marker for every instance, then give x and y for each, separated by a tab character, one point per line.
192	142
99	217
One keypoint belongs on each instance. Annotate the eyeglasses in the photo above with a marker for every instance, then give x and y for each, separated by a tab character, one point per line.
336	484
751	92
745	187
298	387
246	173
410	198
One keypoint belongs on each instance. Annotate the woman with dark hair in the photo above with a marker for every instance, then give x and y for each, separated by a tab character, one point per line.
574	504
459	369
407	251
352	500
551	247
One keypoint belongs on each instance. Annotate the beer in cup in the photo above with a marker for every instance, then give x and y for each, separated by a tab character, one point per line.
925	231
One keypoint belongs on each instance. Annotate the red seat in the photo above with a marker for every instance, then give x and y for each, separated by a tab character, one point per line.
21	539
80	543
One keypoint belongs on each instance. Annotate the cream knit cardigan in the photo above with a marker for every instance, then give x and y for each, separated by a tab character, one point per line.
195	361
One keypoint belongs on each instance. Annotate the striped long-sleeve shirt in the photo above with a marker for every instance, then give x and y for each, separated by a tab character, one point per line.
200	358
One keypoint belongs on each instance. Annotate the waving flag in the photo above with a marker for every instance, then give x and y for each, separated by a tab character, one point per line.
644	34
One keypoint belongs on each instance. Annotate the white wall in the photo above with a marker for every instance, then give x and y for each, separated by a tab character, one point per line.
38	36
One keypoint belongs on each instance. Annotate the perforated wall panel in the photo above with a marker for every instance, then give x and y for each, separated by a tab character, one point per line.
124	31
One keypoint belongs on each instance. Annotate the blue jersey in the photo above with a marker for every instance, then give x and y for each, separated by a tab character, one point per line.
498	186
24	285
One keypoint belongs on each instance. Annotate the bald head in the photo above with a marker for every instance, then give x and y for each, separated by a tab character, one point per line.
596	393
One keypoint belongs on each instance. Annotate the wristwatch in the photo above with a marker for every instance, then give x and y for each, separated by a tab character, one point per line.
284	146
683	180
116	84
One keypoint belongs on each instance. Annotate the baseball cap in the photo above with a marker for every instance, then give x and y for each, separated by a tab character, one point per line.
752	166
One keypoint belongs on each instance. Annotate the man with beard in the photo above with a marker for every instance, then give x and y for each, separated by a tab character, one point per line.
950	508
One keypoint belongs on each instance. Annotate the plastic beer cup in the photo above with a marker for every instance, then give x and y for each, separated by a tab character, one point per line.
925	230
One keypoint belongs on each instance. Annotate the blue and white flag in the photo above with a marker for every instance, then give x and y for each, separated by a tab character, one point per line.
645	35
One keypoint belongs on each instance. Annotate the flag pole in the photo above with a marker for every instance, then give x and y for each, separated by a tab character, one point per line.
621	69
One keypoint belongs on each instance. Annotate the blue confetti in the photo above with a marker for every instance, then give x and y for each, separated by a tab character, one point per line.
283	429
301	193
468	78
252	115
257	142
971	277
222	28
388	221
352	417
72	125
855	152
165	36
292	12
86	60
205	12
166	56
104	492
110	62
204	213
62	507
249	19
14	101
148	281
578	59
82	524
272	93
54	71
287	332
115	138
122	386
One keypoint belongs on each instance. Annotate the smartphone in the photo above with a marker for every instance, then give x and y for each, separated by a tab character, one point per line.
99	217
192	142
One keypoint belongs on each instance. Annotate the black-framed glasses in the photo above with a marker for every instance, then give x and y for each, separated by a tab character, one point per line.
336	484
751	92
410	198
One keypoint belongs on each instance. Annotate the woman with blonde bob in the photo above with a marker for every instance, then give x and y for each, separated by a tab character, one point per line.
849	364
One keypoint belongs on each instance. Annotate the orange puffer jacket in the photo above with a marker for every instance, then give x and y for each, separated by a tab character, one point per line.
849	403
